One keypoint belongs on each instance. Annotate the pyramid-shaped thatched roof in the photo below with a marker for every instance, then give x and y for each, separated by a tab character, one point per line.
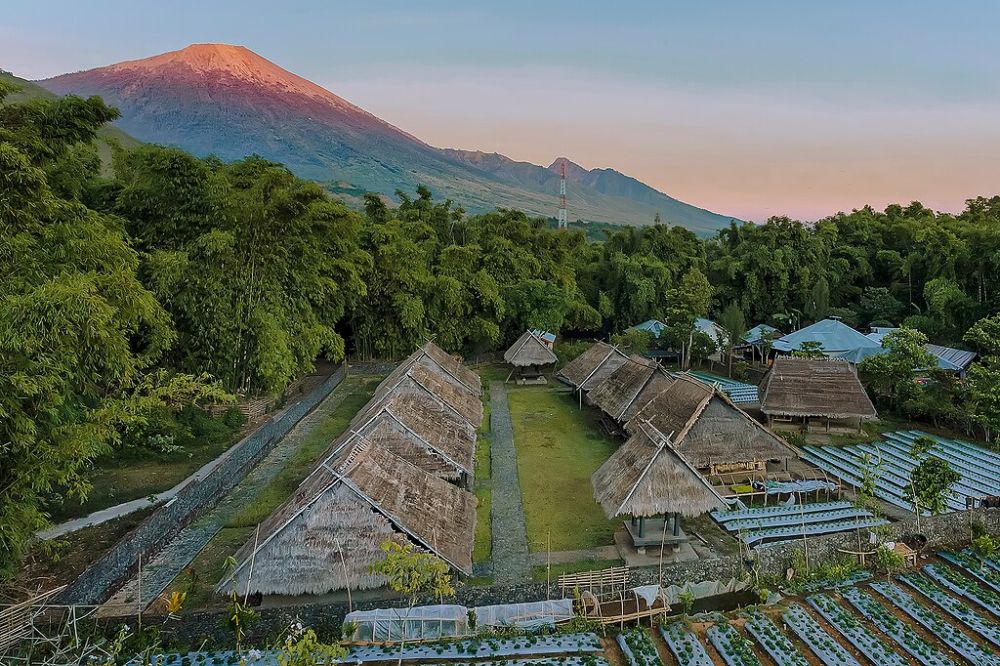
646	477
530	350
593	366
619	390
706	427
814	387
360	497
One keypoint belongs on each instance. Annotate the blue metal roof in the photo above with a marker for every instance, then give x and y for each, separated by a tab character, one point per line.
654	326
948	358
835	338
709	328
756	334
738	392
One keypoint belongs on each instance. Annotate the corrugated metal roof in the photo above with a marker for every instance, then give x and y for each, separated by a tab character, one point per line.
756	334
835	338
958	359
738	392
653	326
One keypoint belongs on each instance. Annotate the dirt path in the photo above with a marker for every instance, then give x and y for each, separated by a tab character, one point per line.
511	561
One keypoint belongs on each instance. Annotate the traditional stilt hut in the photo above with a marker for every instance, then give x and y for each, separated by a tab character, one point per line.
592	367
798	389
652	484
709	430
529	356
328	534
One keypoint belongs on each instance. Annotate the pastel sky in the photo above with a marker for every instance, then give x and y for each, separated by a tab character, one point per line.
746	108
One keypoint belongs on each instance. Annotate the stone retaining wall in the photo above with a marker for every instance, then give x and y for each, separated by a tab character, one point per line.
120	563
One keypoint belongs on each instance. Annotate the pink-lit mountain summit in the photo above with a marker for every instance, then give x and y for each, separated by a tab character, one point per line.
228	101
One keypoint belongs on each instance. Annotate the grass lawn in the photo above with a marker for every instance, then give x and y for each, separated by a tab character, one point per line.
483	546
538	573
359	391
559	447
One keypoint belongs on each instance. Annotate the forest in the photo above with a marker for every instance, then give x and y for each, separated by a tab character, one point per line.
129	294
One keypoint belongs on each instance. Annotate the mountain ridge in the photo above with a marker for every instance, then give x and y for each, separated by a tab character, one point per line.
228	101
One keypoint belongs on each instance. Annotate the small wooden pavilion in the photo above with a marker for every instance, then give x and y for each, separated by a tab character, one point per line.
650	482
529	356
795	390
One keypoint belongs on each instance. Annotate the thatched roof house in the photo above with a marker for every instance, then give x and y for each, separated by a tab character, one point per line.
419	429
592	366
707	428
620	389
647	477
804	387
326	536
432	372
530	350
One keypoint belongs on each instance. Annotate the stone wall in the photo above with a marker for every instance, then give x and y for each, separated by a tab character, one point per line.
120	563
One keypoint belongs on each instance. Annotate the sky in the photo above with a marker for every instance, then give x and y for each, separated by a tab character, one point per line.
749	109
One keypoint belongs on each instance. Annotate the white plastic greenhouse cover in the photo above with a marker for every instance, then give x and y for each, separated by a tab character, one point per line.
419	622
527	615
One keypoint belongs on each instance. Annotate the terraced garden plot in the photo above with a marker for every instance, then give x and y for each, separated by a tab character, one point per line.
732	646
938	627
779	648
812	633
974	567
979	468
953	607
755	526
858	635
902	633
964	587
685	646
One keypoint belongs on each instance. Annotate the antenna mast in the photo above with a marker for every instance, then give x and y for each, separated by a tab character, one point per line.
562	195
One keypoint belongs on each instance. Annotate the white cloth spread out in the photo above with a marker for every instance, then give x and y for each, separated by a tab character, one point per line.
647	593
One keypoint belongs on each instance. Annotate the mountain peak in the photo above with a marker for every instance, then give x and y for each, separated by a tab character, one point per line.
235	64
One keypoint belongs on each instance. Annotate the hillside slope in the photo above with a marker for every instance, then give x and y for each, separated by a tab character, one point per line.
228	101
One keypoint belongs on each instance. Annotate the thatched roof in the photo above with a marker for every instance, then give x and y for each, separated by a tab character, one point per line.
619	390
592	366
420	373
647	477
529	350
706	427
453	366
814	387
419	429
659	381
360	497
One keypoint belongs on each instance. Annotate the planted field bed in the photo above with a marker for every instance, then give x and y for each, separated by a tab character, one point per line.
734	648
974	567
979	467
779	648
953	607
812	633
932	622
851	628
761	525
685	646
271	658
902	633
964	587
556	644
638	647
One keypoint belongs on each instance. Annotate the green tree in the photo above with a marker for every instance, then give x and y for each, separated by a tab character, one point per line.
818	305
930	485
732	322
809	349
412	574
890	375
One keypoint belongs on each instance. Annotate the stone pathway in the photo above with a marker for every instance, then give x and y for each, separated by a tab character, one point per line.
511	561
173	558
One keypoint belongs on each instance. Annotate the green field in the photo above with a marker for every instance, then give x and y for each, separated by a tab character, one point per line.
559	447
483	547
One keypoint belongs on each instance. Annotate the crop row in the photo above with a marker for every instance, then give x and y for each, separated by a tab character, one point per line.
953	607
855	632
779	648
810	632
732	646
904	635
638	647
685	646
